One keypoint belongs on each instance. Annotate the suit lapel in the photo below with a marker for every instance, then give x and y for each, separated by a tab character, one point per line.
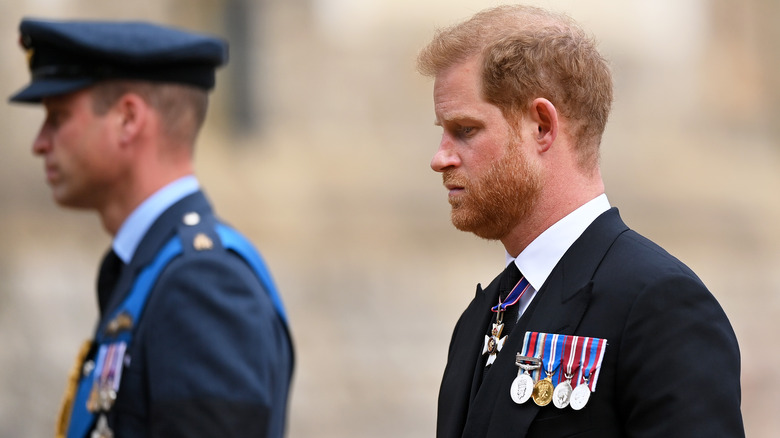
564	298
484	320
463	375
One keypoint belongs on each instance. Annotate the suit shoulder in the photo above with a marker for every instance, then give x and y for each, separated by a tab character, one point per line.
637	256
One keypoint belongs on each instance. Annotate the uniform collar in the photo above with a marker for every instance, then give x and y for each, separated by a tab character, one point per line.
137	224
540	257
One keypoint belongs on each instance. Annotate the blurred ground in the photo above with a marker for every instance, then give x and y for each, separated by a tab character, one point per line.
317	146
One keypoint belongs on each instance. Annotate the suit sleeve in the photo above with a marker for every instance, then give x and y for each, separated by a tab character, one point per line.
218	356
679	364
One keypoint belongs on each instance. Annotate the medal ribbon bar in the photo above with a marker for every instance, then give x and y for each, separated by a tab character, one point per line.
580	356
513	296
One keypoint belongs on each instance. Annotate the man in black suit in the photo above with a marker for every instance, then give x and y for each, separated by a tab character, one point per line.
192	339
592	330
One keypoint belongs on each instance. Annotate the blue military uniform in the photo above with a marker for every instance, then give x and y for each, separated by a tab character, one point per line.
212	355
192	339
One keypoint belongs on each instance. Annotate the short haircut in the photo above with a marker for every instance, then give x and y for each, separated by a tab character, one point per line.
527	53
182	108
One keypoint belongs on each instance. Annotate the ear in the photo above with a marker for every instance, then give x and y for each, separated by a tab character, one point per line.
133	113
545	120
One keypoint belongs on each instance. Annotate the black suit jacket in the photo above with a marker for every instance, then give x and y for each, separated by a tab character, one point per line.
211	357
671	367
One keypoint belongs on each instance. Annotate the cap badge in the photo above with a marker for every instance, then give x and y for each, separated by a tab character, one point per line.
26	42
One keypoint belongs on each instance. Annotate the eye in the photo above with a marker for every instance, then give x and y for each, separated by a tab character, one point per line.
466	131
53	119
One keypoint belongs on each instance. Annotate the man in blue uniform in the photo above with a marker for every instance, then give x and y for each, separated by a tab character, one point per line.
591	330
192	339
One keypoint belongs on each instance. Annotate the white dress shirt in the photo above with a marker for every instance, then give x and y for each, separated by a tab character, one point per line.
540	257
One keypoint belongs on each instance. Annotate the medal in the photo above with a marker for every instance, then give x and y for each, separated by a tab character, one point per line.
543	391
108	374
494	343
562	393
544	388
93	404
591	358
523	385
580	396
566	360
101	429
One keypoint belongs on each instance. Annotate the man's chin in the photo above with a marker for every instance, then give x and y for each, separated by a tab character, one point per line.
65	201
480	227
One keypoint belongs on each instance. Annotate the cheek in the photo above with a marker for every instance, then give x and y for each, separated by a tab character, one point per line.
485	154
96	155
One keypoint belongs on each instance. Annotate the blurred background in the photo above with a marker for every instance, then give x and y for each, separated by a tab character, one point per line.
317	147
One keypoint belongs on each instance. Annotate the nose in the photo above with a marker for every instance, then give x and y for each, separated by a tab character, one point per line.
42	143
445	157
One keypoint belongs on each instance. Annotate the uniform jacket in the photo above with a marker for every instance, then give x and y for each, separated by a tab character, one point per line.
210	356
671	366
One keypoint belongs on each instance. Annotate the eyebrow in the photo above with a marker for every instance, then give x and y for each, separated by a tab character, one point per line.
458	117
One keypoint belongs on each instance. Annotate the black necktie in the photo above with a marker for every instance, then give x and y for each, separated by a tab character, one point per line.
107	278
507	282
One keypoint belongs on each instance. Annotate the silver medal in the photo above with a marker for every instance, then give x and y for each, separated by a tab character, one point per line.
562	394
101	429
523	386
580	396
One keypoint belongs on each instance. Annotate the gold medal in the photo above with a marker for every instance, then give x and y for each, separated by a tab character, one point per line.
543	391
544	388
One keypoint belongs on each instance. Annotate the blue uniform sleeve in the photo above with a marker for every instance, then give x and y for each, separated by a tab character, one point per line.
217	355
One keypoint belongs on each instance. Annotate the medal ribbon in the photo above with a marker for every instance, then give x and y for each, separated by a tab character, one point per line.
569	355
529	343
554	348
601	347
592	356
585	359
581	357
99	366
119	365
107	373
533	346
513	296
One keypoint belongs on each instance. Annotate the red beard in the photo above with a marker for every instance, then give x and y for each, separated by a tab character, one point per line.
491	205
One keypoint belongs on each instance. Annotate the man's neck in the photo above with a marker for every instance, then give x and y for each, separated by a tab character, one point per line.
122	203
550	210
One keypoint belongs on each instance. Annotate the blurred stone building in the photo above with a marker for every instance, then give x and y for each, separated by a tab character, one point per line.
317	146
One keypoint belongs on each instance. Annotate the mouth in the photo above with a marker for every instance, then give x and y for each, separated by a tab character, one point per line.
51	173
453	184
454	189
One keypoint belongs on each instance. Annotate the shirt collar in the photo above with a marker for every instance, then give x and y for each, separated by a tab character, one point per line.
137	224
540	257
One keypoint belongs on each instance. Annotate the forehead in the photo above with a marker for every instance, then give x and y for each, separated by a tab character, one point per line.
457	93
73	99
